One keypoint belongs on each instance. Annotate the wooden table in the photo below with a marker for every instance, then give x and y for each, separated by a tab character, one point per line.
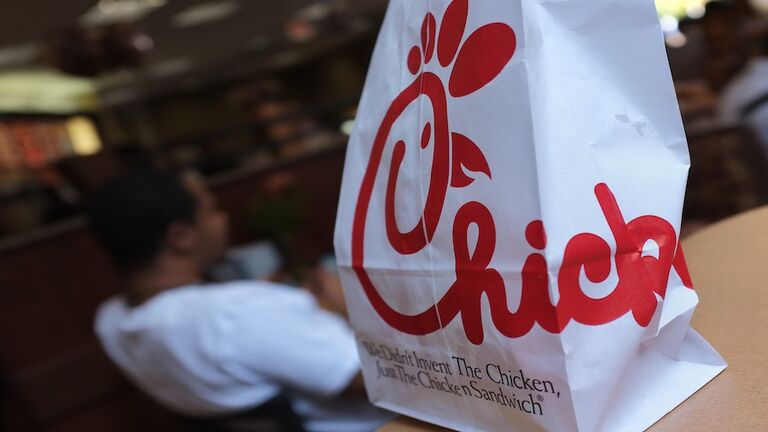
729	265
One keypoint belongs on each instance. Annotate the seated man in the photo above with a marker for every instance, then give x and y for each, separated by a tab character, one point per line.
215	350
745	97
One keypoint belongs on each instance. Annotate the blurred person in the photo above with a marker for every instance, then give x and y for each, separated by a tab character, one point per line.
721	25
745	98
215	350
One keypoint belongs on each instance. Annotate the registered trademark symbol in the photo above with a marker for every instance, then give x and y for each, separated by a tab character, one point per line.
540	398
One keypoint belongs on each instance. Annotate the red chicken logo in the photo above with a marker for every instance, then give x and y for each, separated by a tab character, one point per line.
475	63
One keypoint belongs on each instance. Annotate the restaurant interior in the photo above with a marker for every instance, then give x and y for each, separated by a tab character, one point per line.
260	97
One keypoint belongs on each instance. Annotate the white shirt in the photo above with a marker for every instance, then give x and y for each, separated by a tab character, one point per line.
749	85
210	350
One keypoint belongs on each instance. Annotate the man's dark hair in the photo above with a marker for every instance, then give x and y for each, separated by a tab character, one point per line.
132	213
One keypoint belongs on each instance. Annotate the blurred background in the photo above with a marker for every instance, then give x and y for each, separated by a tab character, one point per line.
260	97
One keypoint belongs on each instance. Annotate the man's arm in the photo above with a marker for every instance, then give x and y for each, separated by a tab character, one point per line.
285	337
325	285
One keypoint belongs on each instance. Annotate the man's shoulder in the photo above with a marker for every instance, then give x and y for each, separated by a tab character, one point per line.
232	300
209	295
205	308
254	291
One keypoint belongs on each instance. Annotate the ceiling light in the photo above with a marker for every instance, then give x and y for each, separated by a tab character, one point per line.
83	136
680	8
45	91
347	127
107	12
107	6
676	40
205	13
171	67
669	24
696	11
117	78
315	12
19	55
760	6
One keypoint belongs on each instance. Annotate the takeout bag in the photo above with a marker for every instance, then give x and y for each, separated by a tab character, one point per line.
508	226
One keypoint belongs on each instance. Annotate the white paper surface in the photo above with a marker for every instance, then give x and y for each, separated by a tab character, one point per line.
482	125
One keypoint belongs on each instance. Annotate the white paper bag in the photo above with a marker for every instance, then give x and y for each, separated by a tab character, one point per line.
507	231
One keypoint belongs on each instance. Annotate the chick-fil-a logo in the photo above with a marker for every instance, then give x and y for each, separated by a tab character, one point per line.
475	63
